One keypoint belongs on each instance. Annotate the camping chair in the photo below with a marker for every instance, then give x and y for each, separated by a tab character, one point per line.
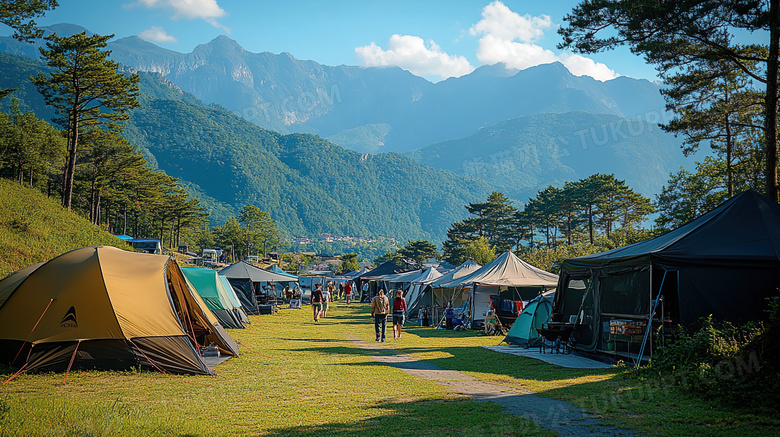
559	339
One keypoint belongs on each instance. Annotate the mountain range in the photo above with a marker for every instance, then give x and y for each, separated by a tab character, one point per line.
494	129
404	112
307	184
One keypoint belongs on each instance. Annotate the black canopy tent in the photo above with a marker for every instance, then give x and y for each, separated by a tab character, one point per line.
724	263
371	276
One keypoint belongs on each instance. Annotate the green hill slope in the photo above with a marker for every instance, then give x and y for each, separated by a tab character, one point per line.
307	184
34	229
520	155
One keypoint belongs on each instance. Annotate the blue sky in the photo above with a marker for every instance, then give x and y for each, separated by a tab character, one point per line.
434	39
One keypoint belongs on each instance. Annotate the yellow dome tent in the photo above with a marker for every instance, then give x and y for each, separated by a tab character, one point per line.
106	308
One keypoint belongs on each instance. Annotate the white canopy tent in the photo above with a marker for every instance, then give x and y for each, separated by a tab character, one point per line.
503	273
442	297
418	286
399	280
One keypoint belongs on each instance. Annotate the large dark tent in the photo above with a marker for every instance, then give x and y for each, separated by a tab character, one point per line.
371	277
724	263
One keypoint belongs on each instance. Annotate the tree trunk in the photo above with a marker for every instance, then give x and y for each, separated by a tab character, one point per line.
590	223
178	231
93	201
70	167
770	121
729	166
98	197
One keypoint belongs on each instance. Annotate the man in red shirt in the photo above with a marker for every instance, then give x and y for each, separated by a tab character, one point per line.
348	291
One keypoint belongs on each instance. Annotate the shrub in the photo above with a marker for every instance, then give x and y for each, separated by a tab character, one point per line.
720	361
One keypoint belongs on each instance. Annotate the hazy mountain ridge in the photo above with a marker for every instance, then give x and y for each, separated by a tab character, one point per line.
518	131
342	103
522	155
307	184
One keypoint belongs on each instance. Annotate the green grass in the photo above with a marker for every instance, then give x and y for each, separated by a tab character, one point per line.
650	406
295	378
34	229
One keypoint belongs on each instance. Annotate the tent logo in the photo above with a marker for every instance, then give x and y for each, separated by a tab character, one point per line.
69	321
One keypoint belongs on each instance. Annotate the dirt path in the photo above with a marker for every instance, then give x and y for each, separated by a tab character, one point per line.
553	414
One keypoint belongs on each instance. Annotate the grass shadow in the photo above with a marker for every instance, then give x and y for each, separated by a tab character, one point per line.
430	417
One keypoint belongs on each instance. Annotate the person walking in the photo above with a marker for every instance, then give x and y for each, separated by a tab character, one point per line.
399	311
327	297
316	302
332	291
348	291
380	307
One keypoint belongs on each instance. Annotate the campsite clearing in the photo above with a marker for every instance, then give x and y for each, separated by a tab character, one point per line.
297	378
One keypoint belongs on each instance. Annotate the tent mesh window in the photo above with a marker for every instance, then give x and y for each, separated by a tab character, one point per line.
572	299
626	294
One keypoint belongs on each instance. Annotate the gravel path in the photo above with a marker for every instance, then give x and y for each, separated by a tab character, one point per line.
553	414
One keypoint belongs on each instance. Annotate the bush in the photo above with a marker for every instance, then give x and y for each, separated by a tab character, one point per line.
720	361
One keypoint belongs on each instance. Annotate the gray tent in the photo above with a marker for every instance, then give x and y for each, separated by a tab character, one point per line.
248	281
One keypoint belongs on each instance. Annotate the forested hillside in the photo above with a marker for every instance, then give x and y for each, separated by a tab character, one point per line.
307	184
520	155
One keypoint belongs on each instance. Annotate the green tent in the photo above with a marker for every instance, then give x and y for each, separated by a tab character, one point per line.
237	309
534	315
211	289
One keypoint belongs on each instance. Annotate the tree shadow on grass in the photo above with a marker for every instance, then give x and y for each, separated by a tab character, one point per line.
473	359
430	417
428	332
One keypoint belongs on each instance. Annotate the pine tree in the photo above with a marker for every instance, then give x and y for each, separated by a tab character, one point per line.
417	252
673	35
86	90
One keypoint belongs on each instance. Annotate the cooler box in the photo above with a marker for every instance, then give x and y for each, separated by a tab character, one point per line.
266	309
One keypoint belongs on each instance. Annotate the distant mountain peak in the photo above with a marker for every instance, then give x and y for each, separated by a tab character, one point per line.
219	46
226	42
499	69
137	42
65	29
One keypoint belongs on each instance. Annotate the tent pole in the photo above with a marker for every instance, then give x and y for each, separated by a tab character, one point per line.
650	319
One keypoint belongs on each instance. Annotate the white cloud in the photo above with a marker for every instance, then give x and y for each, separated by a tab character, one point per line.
517	55
508	37
207	10
411	53
498	20
582	66
156	34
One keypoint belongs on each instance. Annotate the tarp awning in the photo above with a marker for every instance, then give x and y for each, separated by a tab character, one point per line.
244	270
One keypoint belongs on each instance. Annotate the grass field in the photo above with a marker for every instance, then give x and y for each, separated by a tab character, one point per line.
295	377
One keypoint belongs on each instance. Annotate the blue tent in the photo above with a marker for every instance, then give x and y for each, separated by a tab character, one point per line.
534	315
